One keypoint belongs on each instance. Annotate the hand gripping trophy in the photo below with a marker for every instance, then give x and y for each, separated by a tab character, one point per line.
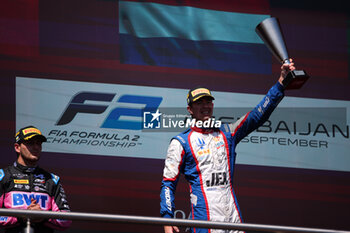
270	32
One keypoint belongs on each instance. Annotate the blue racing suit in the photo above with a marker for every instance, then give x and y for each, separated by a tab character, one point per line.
207	157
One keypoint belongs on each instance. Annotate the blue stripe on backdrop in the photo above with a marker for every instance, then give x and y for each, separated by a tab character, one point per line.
147	20
206	55
188	37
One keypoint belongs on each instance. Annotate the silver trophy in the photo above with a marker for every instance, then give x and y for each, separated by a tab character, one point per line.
270	32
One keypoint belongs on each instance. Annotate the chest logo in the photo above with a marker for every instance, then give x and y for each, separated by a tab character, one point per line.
217	179
201	143
16	181
218	142
24	199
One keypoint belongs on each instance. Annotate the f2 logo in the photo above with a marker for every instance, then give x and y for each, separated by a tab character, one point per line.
78	105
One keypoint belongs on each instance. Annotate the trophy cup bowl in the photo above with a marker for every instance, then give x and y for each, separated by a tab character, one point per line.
269	30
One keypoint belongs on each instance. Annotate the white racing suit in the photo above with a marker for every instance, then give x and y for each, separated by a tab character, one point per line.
206	157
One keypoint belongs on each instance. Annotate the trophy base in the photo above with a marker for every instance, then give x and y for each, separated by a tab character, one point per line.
295	79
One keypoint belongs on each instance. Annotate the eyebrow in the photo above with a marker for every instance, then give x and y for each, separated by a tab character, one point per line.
203	99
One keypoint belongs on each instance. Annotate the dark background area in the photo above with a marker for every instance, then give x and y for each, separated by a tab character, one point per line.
63	40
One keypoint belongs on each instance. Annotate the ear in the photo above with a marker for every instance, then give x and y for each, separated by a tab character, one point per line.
17	147
189	109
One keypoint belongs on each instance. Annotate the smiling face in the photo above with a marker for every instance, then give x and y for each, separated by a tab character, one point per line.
29	151
202	109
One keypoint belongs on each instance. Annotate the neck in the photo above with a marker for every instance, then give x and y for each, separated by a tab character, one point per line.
25	162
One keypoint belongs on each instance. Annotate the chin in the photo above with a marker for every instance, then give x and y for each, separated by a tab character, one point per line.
35	158
206	118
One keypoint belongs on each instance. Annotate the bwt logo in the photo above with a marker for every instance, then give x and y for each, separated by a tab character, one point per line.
78	105
20	199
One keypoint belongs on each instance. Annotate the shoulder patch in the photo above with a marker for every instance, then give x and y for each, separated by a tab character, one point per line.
178	137
181	137
55	178
2	174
